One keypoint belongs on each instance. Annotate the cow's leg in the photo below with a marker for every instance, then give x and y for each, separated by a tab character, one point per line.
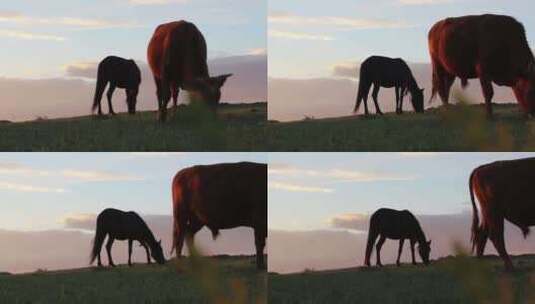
481	241
400	250
165	96
397	100
130	252
496	236
412	252
193	227
378	247
260	243
375	94
109	95
109	244
488	93
446	81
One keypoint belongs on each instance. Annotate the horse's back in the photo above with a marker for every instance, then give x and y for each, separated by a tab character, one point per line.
385	71
393	223
122	72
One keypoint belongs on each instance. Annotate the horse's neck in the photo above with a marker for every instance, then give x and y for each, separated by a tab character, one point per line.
412	85
420	236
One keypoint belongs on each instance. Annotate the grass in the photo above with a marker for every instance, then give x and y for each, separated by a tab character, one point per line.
460	127
237	127
222	279
458	279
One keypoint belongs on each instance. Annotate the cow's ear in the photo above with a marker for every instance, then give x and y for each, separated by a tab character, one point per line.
194	84
219	81
422	90
429	243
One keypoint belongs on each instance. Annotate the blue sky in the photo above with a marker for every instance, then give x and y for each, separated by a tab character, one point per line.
308	38
38	190
307	190
40	38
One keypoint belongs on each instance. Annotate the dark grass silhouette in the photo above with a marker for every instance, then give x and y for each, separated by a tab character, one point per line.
119	225
238	127
397	225
387	72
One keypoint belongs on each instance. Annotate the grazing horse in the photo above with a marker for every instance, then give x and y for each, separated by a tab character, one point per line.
220	196
129	226
177	58
505	191
492	48
397	225
119	73
388	72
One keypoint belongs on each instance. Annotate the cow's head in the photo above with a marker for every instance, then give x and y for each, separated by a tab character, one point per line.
524	90
417	100
424	248
206	90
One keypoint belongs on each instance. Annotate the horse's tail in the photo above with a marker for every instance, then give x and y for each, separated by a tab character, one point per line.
99	90
475	214
97	243
372	235
360	92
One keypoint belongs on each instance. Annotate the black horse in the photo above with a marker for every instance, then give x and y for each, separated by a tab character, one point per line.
388	72
129	226
120	73
396	225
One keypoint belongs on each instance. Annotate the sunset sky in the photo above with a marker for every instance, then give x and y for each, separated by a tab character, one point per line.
315	47
319	203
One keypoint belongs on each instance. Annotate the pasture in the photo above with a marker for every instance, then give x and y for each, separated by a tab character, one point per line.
461	127
221	279
237	127
459	279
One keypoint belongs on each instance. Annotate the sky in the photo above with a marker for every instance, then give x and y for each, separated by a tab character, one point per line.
319	203
315	47
58	195
50	50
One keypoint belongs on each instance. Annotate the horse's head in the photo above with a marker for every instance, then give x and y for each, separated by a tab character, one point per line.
424	248
206	90
157	252
417	99
131	99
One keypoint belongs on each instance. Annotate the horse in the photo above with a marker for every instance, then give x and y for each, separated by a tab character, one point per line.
505	191
492	48
220	196
388	72
177	57
120	225
397	225
119	73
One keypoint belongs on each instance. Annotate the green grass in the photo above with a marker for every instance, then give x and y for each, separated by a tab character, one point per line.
206	280
456	128
238	127
450	280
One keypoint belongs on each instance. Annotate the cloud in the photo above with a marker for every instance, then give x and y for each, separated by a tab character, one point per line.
298	36
423	2
30	36
28	188
71	22
345	23
297	188
156	2
97	176
335	174
72	95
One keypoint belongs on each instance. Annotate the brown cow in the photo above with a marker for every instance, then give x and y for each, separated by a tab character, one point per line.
504	190
221	196
492	48
177	58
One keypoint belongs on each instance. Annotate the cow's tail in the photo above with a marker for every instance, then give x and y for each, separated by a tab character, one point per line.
180	199
99	90
97	243
360	91
435	81
475	214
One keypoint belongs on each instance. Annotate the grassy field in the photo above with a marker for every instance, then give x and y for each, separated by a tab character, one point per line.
238	127
203	280
456	128
449	280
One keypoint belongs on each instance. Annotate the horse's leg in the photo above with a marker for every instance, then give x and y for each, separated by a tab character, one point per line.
488	92
496	236
260	243
412	252
372	236
375	94
397	99
400	250
401	97
130	252
175	91
147	251
109	95
378	247
108	249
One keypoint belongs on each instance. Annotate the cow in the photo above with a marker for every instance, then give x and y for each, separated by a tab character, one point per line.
492	48
505	191
220	196
177	57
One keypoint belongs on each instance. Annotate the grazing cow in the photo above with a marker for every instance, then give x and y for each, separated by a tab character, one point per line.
119	73
221	196
505	191
177	58
492	48
120	225
397	225
388	72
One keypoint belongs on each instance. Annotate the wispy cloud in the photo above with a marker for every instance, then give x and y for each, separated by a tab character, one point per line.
29	188
71	22
345	23
423	2
98	176
297	188
30	36
156	2
298	36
